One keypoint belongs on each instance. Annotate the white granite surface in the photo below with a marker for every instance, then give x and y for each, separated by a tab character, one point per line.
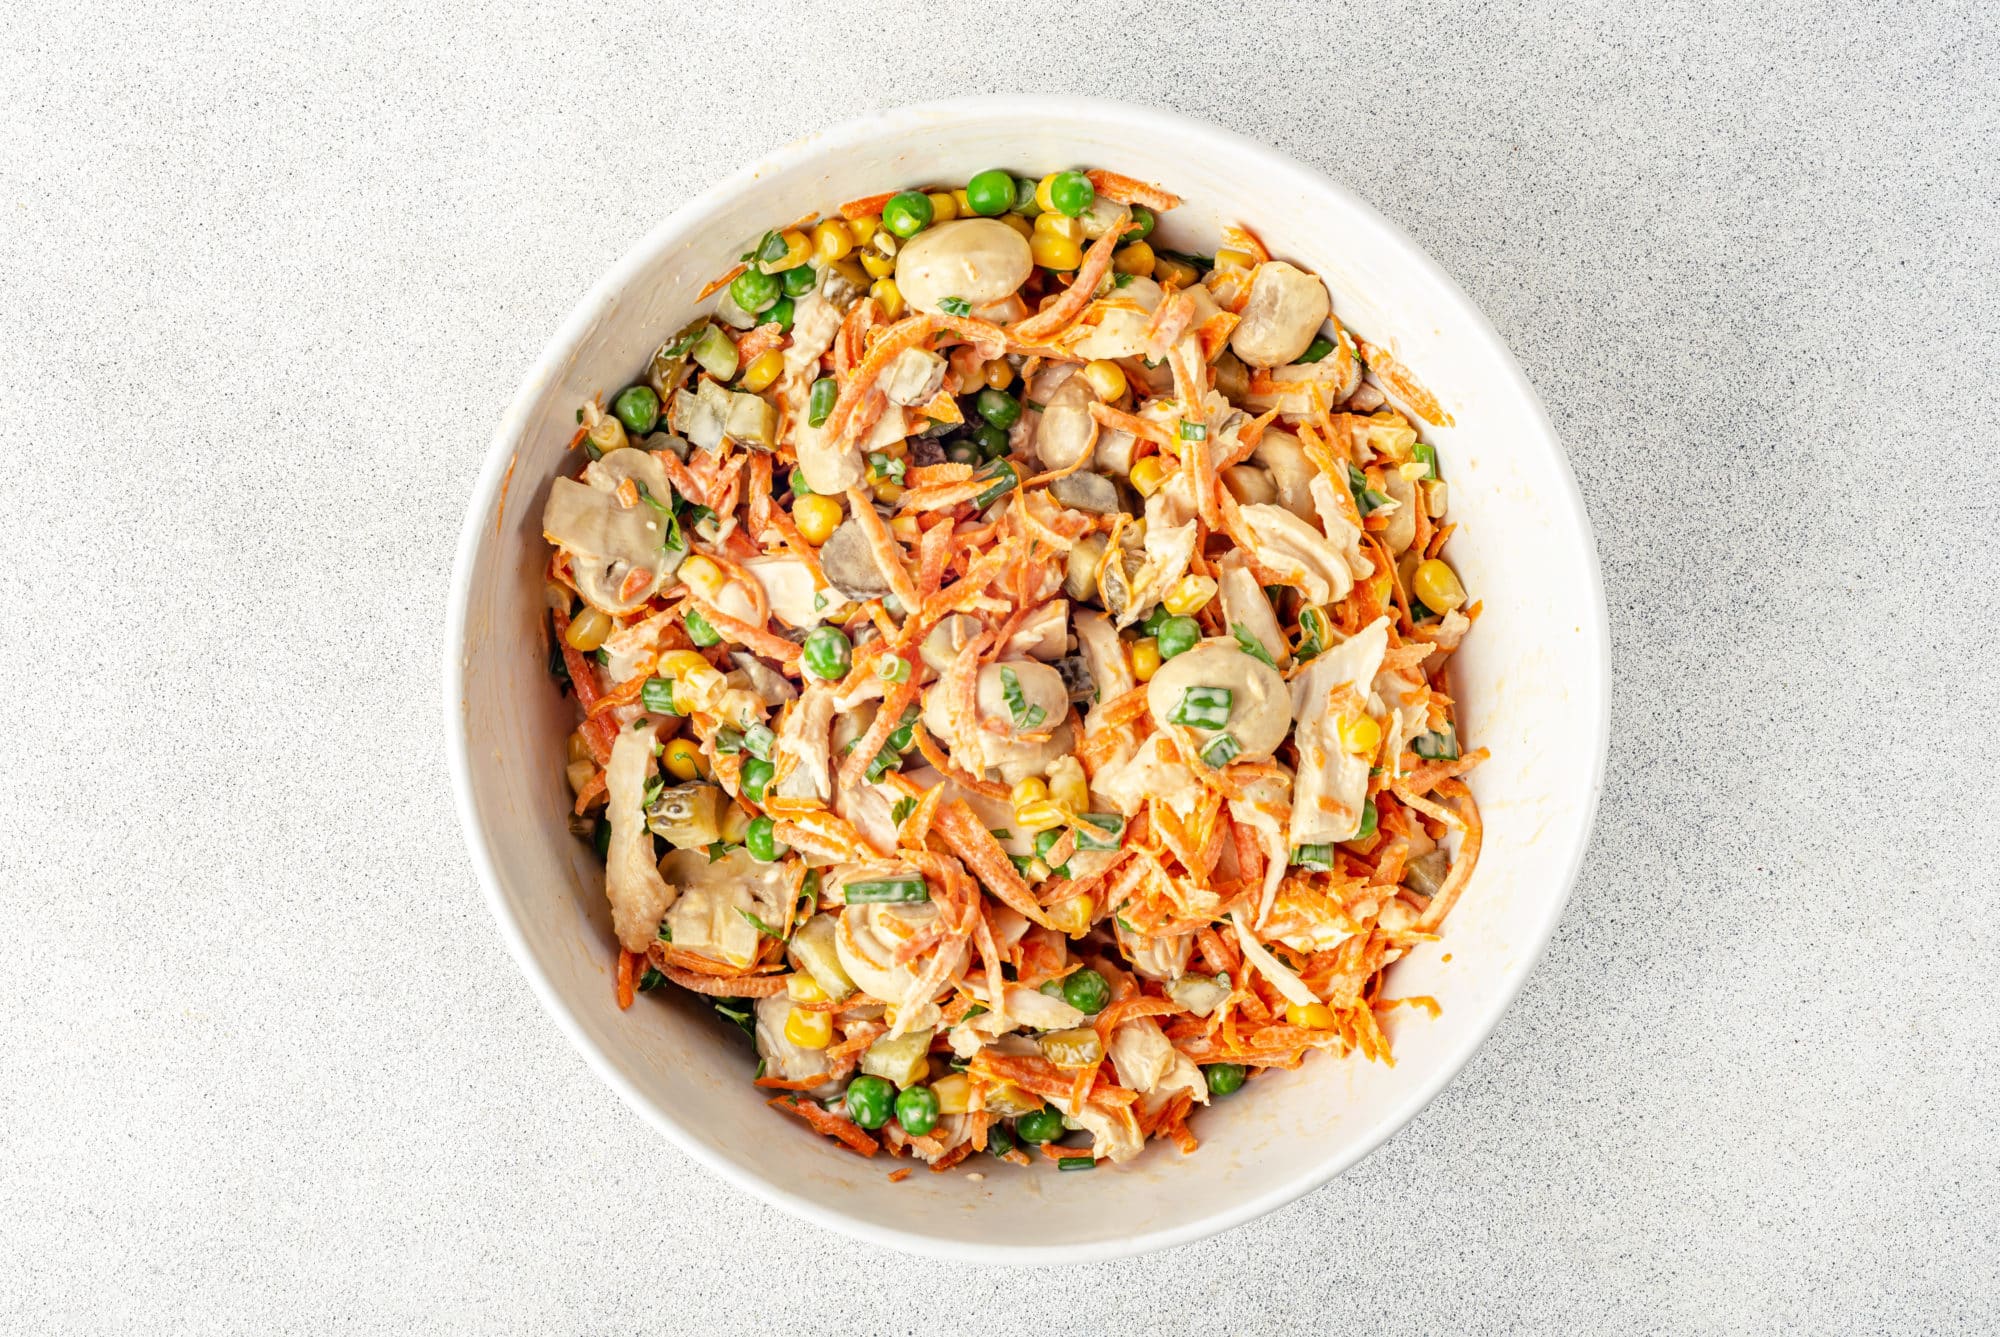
268	274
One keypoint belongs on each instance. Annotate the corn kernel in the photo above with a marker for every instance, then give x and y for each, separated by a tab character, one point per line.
1145	658
1169	273
1067	786
588	629
1189	595
1316	1016
998	374
1056	225
579	750
1148	474
579	774
851	272
896	450
1134	259
683	759
888	296
1039	816
763	370
675	663
864	228
1030	790
702	576
906	529
1019	224
831	241
817	517
889	492
1436	499
809	1030
1037	870
1229	259
798	250
878	265
1053	252
943	207
1072	916
1106	378
1360	734
803	988
735	825
1437	585
962	202
696	688
953	1092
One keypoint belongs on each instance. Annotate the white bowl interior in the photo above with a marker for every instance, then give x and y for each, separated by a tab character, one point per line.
1531	682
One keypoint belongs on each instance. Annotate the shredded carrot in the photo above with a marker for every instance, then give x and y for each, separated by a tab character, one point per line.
967	837
714	286
628	977
846	1131
1122	189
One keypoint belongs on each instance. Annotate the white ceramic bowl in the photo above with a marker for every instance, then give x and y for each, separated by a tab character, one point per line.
1532	685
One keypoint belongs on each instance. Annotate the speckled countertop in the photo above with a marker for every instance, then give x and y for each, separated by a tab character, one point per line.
267	275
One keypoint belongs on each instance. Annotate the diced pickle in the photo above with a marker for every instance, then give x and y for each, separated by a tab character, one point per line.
1078	1048
670	362
1199	994
1425	875
904	1060
688	817
812	951
752	421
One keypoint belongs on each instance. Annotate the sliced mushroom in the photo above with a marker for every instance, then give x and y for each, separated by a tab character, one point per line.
848	562
867	938
1075	670
1232	378
769	684
1260	706
1089	492
1402	530
794	596
618	553
783	1059
1286	308
947	640
1295	550
1040	700
1113	451
1280	455
977	260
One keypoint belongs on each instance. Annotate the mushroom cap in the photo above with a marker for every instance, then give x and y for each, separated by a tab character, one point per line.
606	540
1285	310
978	260
1260	707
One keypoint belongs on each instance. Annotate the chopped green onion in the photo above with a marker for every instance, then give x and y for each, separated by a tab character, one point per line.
758	740
1202	707
885	890
1104	821
883	469
1068	1163
658	694
819	404
1426	454
801	488
1317	349
954	306
1370	821
902	808
1316	857
728	742
892	668
1251	645
1004	478
700	632
1366	498
1221	750
1025	715
1193	431
1438	746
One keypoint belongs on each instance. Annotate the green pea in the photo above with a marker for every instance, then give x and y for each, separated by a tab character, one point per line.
700	632
1072	194
1151	625
756	774
638	408
868	1101
907	214
1224	1078
1142	224
1024	198
753	290
1086	991
917	1110
992	441
764	846
1044	1125
998	407
799	281
990	193
962	452
999	1139
1177	635
780	312
828	653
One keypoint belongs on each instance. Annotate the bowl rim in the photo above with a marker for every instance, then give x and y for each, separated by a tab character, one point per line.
872	129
